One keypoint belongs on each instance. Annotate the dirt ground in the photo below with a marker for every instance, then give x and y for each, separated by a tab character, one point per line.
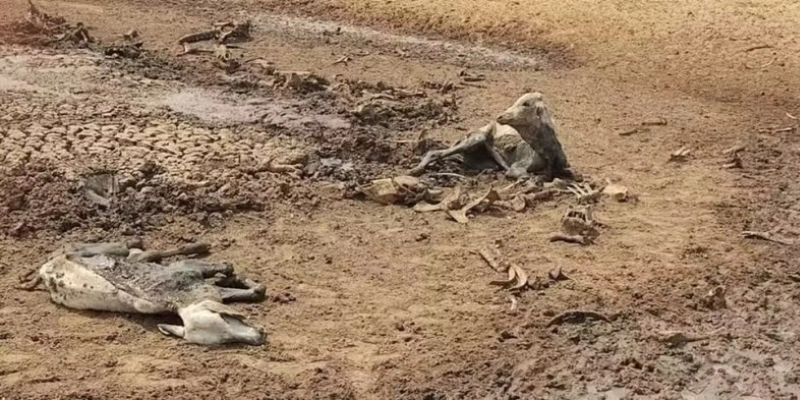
367	301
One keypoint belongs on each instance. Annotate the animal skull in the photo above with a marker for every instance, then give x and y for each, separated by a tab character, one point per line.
212	323
526	112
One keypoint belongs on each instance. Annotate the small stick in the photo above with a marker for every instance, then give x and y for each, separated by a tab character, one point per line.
758	47
628	132
766	236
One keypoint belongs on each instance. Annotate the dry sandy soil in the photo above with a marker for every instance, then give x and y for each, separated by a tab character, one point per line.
380	302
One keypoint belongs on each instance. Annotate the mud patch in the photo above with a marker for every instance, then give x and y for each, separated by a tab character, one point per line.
44	202
315	31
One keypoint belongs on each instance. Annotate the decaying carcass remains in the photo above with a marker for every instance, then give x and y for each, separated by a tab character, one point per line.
120	278
522	141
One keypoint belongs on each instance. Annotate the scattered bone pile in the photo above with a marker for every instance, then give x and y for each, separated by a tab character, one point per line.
42	28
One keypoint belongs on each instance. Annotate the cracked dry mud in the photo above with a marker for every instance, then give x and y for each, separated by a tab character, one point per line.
379	302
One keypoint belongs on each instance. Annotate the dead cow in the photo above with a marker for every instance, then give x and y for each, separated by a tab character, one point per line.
113	277
522	141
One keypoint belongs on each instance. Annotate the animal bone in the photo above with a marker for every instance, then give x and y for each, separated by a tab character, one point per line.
458	204
517	277
77	35
460	215
577	226
400	189
199	36
237	31
467	76
113	277
657	121
616	191
733	150
577	239
130	35
584	192
715	298
680	154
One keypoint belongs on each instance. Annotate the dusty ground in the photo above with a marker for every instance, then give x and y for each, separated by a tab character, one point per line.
389	303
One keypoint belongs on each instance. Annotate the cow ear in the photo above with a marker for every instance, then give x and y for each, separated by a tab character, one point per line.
172	330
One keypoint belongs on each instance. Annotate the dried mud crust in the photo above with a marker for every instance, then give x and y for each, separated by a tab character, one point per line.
355	121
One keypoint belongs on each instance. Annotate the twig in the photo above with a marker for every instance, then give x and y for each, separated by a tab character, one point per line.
576	316
766	236
628	132
757	47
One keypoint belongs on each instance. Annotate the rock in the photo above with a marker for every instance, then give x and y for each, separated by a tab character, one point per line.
401	189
